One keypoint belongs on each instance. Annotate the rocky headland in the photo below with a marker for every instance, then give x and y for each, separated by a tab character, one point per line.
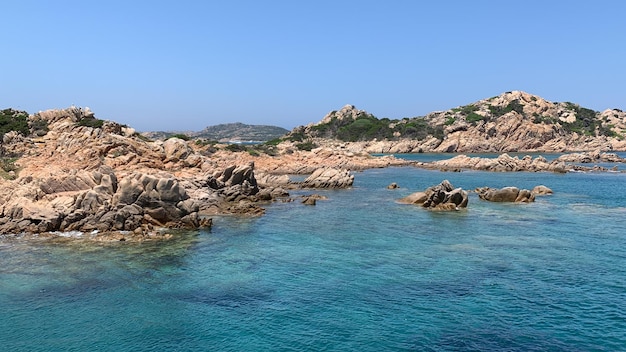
104	181
68	171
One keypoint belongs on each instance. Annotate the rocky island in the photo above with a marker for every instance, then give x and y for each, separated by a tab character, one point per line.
68	171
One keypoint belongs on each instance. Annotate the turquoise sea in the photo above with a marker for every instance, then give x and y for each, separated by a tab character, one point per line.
356	272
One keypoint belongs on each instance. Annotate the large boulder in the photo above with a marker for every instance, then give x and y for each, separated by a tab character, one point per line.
329	178
439	197
506	194
176	149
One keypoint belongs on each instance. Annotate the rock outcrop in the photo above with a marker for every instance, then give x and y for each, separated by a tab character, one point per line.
81	174
507	163
510	122
439	197
503	163
512	194
329	178
97	202
506	194
591	157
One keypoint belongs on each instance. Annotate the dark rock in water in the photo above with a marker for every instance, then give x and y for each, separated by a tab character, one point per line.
309	201
439	197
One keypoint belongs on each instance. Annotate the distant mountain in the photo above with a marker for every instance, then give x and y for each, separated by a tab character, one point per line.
228	132
513	121
241	132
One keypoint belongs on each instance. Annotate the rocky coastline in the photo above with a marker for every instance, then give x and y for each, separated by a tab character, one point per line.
106	182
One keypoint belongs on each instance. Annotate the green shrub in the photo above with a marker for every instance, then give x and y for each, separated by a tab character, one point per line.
236	147
474	117
13	120
38	126
586	121
273	142
184	137
308	146
6	166
90	122
514	105
142	137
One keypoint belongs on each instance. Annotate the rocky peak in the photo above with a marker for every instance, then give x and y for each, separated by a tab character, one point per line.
348	112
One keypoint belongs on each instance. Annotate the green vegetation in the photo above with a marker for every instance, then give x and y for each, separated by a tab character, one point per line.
7	166
90	122
368	127
205	142
586	122
142	137
236	148
544	119
274	142
364	127
38	126
308	146
13	120
184	137
450	120
474	117
514	105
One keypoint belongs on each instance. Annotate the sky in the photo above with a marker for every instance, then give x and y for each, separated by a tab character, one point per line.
184	65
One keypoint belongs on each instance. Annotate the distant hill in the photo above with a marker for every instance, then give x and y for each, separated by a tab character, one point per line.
513	121
228	132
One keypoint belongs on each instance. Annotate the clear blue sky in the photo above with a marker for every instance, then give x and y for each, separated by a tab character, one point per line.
184	65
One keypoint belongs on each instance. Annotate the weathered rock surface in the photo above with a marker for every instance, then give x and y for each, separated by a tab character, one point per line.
512	194
541	190
99	177
329	178
507	163
591	157
505	194
503	163
439	197
510	122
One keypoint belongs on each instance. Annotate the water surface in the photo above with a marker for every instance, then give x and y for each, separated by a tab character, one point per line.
357	272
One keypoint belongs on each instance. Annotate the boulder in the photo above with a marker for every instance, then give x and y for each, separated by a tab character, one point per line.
541	190
176	149
329	178
505	194
439	197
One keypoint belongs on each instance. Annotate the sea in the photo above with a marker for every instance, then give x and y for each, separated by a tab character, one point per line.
355	272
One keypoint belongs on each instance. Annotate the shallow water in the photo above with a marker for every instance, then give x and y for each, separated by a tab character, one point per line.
355	272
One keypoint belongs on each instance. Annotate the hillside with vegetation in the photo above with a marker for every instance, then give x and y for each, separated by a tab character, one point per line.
512	121
227	133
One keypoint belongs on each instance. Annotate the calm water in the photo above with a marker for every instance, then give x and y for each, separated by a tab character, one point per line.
357	272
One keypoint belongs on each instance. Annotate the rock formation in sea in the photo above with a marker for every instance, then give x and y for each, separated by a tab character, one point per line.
66	170
80	173
439	197
512	194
